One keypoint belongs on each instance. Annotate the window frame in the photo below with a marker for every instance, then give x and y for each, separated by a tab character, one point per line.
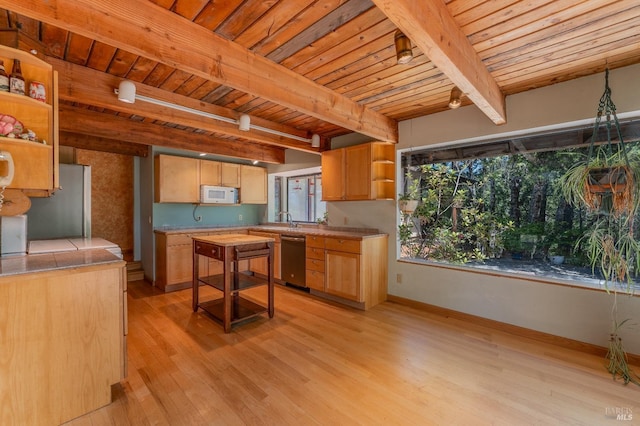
581	282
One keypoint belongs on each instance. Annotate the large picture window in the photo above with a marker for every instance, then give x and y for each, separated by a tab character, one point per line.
504	212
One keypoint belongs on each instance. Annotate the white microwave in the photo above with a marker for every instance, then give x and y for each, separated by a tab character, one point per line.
218	195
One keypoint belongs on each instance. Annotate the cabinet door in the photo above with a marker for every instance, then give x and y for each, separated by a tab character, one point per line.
177	179
333	175
358	172
210	172
230	175
179	264
343	275
33	168
253	185
36	163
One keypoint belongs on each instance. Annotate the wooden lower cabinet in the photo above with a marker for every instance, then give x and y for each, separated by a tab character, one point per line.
315	262
343	275
259	265
349	269
63	342
174	265
174	260
356	269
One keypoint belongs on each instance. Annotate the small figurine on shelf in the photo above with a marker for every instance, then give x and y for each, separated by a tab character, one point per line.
29	135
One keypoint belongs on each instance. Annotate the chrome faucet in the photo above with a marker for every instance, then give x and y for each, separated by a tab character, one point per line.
289	219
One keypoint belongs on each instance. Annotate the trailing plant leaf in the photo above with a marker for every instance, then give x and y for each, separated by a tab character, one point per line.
618	364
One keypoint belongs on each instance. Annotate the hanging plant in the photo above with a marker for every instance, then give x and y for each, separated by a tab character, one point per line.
606	184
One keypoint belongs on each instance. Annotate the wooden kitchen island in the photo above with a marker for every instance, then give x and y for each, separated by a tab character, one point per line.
230	249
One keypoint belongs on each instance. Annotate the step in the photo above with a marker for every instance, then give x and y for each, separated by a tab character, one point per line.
134	271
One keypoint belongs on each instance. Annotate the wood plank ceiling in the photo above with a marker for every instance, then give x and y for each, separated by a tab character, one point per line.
324	67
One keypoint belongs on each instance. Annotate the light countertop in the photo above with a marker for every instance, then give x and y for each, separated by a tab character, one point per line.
227	240
26	264
303	229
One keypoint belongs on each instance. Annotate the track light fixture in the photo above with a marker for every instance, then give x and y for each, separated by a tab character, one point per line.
244	123
404	54
126	92
455	100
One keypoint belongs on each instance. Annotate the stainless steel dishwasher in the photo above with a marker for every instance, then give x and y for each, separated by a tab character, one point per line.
293	259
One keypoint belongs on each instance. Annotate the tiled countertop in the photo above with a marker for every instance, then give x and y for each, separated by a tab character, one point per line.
26	264
282	229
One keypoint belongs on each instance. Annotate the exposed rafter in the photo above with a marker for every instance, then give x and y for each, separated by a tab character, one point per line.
432	28
84	121
86	86
145	29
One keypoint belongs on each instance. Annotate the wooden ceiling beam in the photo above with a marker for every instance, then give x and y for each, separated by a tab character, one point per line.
95	143
87	86
143	28
432	28
109	126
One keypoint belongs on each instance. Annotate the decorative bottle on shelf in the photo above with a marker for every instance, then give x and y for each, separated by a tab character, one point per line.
4	78
16	81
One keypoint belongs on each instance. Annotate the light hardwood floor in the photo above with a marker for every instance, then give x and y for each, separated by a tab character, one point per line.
316	363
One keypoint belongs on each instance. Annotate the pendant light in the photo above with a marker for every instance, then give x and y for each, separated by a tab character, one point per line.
455	100
404	54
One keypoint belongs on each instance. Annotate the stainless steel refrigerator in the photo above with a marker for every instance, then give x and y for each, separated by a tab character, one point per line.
67	213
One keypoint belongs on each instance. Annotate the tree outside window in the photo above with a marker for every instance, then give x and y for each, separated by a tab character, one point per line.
504	208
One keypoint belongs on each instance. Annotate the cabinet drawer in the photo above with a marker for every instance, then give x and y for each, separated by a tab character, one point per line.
315	241
209	250
315	253
178	239
315	280
340	244
315	265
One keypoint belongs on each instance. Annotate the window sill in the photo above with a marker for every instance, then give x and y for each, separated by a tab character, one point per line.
542	273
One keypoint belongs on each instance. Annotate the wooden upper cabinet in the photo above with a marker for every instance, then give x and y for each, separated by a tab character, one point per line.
35	162
333	175
253	185
359	172
177	179
210	172
219	174
230	175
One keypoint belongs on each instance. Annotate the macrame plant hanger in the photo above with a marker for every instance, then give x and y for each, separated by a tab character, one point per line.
610	184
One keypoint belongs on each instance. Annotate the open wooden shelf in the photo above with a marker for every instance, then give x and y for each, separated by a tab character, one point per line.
239	281
241	309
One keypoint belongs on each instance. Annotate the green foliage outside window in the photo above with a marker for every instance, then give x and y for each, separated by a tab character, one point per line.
496	208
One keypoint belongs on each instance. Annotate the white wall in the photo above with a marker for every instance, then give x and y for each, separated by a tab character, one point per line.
575	313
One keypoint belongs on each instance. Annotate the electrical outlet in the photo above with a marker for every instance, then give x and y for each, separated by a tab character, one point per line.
240	217
399	278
